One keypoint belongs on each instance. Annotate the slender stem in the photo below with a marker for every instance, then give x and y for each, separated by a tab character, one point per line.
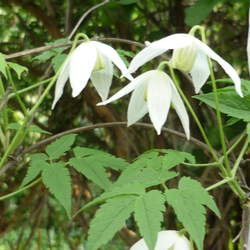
20	190
217	105
29	88
222	182
236	143
5	114
22	105
238	160
202	164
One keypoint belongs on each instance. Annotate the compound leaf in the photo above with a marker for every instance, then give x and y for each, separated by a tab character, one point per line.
57	179
148	214
109	219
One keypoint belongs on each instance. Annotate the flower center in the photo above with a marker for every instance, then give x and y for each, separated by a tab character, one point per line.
184	58
100	63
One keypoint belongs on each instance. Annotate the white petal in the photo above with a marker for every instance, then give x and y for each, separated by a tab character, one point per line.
180	110
225	65
200	71
137	107
114	57
165	240
82	62
159	96
61	81
102	79
130	87
156	48
248	42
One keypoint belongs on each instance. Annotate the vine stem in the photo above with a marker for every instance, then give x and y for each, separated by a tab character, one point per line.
20	190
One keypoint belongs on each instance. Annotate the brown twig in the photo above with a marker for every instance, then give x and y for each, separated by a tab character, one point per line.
85	14
46	141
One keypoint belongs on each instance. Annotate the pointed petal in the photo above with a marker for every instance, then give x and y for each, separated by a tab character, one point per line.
82	62
137	107
180	109
225	65
114	57
159	96
200	71
61	81
102	79
166	240
128	88
248	42
156	48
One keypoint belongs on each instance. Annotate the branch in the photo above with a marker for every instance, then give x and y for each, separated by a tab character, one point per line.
46	141
48	47
85	15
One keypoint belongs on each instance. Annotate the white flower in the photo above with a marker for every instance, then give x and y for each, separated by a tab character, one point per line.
166	240
248	42
153	92
190	55
90	60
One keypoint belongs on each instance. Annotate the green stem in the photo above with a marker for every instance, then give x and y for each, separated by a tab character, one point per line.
5	114
202	164
20	190
238	160
222	182
236	143
217	105
22	105
29	88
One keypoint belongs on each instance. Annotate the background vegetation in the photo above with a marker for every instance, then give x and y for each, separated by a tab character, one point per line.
34	219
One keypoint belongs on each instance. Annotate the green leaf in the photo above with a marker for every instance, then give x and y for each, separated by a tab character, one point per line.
35	128
3	65
57	179
14	126
248	129
57	61
37	163
230	103
60	146
109	219
149	215
188	201
93	170
19	69
106	159
199	11
135	189
198	193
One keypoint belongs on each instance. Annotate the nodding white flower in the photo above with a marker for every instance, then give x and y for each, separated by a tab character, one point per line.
153	92
90	60
166	240
190	55
248	42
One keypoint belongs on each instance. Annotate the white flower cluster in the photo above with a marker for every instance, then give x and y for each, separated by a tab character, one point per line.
153	91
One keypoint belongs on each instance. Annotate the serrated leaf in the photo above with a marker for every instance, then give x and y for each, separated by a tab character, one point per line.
14	126
19	69
135	189
44	56
60	146
198	193
145	175
3	65
109	219
230	103
106	159
37	163
149	215
93	170
57	179
190	213
57	61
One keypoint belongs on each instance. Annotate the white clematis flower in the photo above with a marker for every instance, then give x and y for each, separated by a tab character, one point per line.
190	55
153	92
166	240
90	60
